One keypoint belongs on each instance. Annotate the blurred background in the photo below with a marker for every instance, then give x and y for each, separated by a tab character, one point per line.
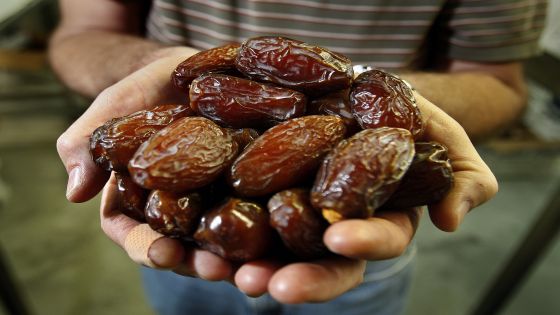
54	259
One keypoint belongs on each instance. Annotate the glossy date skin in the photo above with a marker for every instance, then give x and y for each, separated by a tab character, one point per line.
217	60
361	173
240	103
380	99
186	155
294	64
428	179
337	104
299	225
285	155
113	144
237	230
131	198
174	215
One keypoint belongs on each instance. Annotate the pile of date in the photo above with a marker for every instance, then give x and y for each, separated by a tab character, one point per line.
277	141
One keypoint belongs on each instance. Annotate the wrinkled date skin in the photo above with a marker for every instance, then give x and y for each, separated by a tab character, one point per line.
237	230
337	104
428	179
131	198
113	144
380	99
361	173
243	136
294	64
172	214
238	103
285	155
185	155
218	60
299	225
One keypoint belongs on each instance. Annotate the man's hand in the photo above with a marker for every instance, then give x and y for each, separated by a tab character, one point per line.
381	237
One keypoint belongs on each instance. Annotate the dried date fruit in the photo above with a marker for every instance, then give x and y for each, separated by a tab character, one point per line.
217	60
285	155
294	64
244	136
361	173
131	198
237	230
113	144
380	99
299	225
337	104
188	154
428	179
172	214
239	103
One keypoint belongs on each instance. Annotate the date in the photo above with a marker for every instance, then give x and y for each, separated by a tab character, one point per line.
361	173
337	104
131	198
244	136
113	144
188	154
380	99
172	214
239	103
217	60
285	155
428	179
294	64
299	225
237	230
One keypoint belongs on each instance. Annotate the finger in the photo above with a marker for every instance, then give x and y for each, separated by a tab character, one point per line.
253	277
142	244
474	182
152	249
205	265
316	281
384	236
143	89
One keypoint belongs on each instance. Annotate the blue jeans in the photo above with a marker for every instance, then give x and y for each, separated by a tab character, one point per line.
383	292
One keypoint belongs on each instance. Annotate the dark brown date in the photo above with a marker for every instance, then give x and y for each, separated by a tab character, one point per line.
300	226
428	179
237	230
188	154
361	173
244	136
172	214
294	64
240	103
131	198
218	60
337	104
113	144
285	155
380	99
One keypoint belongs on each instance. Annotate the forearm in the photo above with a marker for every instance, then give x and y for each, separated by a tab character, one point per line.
91	61
481	103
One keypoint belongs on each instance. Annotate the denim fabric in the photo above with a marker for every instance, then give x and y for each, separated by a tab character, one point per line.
383	292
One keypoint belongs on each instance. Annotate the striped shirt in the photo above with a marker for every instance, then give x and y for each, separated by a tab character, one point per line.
392	34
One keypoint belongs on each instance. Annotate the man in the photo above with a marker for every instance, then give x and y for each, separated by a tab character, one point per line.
122	53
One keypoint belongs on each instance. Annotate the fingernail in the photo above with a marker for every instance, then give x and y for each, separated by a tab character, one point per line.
74	179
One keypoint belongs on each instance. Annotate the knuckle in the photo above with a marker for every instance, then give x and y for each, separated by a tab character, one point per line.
64	145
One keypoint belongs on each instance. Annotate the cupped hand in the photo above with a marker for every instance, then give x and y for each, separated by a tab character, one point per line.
386	235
